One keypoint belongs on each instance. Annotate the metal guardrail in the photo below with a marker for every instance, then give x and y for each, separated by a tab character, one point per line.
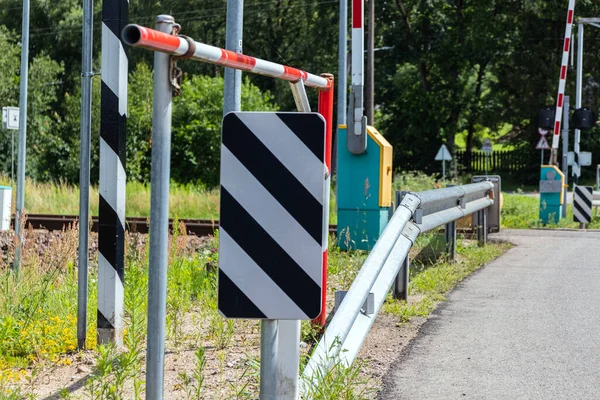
417	213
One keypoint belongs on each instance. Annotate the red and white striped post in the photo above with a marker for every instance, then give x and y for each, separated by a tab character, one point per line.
562	82
325	108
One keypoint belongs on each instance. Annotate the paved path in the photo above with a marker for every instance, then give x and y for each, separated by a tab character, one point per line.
527	326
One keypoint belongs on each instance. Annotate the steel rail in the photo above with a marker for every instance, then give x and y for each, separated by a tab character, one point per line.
418	213
198	227
182	46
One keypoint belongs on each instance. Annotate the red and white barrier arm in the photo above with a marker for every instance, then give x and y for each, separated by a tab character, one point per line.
563	76
139	36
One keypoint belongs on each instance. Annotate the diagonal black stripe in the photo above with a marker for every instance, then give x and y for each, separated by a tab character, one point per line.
273	175
103	322
585	213
112	124
310	129
582	197
111	237
233	303
269	256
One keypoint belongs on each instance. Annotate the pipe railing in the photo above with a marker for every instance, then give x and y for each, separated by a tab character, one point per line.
183	46
417	213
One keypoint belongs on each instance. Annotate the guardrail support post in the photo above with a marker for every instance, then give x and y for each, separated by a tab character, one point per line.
482	227
401	281
450	235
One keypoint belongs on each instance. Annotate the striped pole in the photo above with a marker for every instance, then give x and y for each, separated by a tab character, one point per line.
151	39
325	108
562	81
358	63
111	216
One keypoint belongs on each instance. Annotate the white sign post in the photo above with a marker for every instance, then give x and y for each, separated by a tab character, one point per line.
443	155
10	120
486	147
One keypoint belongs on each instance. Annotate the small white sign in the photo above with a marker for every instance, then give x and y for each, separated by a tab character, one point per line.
585	158
542	131
487	146
10	118
542	144
443	154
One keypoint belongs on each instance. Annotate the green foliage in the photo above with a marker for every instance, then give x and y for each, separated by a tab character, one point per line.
197	115
340	381
520	211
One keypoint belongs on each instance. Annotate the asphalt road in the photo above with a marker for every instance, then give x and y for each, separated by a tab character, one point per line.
526	326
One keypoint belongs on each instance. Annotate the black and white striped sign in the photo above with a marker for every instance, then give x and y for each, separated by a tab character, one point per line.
582	204
111	213
271	220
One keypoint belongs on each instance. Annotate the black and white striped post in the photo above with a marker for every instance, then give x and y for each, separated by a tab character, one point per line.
111	216
582	205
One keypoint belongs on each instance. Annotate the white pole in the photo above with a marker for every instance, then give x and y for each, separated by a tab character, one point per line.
159	215
576	170
84	172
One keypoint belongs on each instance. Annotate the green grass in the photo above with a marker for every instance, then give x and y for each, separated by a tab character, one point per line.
432	275
184	202
522	212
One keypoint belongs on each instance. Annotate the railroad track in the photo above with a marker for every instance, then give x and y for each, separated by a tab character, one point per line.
198	227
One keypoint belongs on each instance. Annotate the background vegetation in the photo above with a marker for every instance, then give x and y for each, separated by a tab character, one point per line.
457	71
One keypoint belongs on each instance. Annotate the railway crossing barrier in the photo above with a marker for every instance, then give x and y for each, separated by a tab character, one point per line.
280	339
386	265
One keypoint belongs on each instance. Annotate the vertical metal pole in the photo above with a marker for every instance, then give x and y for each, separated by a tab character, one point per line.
444	168
84	171
325	108
401	281
565	151
268	359
159	218
450	236
576	169
288	359
484	214
233	41
12	158
111	209
342	97
370	84
482	227
542	160
22	133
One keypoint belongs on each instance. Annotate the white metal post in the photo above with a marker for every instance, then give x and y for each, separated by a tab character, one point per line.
356	134
269	335
84	171
565	161
22	133
576	169
159	217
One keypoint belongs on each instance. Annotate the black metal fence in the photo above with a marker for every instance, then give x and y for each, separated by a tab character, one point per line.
497	161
